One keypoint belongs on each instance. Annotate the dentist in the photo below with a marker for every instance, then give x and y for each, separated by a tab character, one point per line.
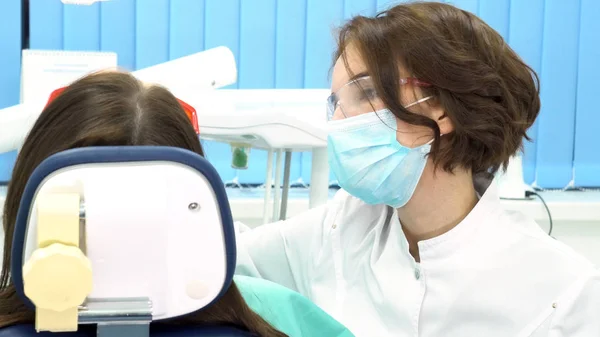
427	102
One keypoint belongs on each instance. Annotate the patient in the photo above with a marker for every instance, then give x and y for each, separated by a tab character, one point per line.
111	109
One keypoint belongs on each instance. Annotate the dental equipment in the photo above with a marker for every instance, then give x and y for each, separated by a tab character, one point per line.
185	77
276	120
121	237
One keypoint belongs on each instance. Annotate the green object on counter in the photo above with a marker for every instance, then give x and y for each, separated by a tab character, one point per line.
287	310
239	158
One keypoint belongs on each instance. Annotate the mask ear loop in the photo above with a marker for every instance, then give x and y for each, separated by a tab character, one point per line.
418	102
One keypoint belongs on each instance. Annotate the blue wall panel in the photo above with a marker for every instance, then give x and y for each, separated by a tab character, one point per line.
10	76
186	33
257	44
117	31
258	30
385	4
46	24
222	27
81	27
468	5
289	44
359	7
152	33
321	18
525	37
554	168
496	14
586	166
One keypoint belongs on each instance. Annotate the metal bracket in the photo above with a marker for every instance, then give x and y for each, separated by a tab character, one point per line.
118	317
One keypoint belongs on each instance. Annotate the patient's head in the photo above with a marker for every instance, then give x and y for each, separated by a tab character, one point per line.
109	109
102	109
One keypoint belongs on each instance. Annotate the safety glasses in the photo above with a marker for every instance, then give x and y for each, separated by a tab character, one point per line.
359	96
189	110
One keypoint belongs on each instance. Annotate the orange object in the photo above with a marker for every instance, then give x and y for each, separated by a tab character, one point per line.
189	110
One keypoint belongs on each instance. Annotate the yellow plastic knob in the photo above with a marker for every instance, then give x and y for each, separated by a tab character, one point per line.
58	277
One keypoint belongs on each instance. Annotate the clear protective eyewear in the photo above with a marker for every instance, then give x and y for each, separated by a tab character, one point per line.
359	96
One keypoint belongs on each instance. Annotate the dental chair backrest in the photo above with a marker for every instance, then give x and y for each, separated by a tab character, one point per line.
110	239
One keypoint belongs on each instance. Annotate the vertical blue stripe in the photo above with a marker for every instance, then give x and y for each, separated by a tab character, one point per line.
7	163
496	14
526	35
559	84
257	62
187	27
117	31
383	5
45	24
10	53
467	5
586	165
290	44
257	44
359	7
152	33
321	18
299	51
10	60
81	27
222	27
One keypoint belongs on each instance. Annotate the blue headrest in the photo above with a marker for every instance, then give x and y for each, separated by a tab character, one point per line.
125	154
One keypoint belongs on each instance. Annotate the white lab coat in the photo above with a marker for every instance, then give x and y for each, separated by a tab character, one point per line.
496	274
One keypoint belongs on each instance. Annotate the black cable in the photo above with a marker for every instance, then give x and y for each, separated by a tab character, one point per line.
25	33
528	194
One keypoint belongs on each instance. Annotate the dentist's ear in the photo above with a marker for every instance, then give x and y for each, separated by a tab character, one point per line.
445	124
438	114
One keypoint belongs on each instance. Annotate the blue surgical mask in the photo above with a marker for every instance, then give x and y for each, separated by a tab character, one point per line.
370	163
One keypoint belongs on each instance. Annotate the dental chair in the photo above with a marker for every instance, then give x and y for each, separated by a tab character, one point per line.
111	239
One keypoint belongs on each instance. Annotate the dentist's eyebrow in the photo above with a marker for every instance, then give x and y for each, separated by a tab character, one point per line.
358	76
352	79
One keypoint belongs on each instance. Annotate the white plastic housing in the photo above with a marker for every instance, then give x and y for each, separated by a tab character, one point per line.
144	236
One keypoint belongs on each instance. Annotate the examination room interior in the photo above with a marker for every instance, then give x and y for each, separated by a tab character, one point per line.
282	53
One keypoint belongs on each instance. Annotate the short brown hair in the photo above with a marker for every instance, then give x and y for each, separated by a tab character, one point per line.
110	109
490	95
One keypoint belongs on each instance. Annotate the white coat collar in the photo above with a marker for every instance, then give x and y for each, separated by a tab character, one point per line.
444	245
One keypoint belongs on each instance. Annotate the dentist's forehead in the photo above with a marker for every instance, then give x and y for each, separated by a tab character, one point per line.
341	75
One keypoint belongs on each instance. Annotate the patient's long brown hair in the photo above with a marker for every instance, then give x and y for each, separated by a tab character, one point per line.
110	109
